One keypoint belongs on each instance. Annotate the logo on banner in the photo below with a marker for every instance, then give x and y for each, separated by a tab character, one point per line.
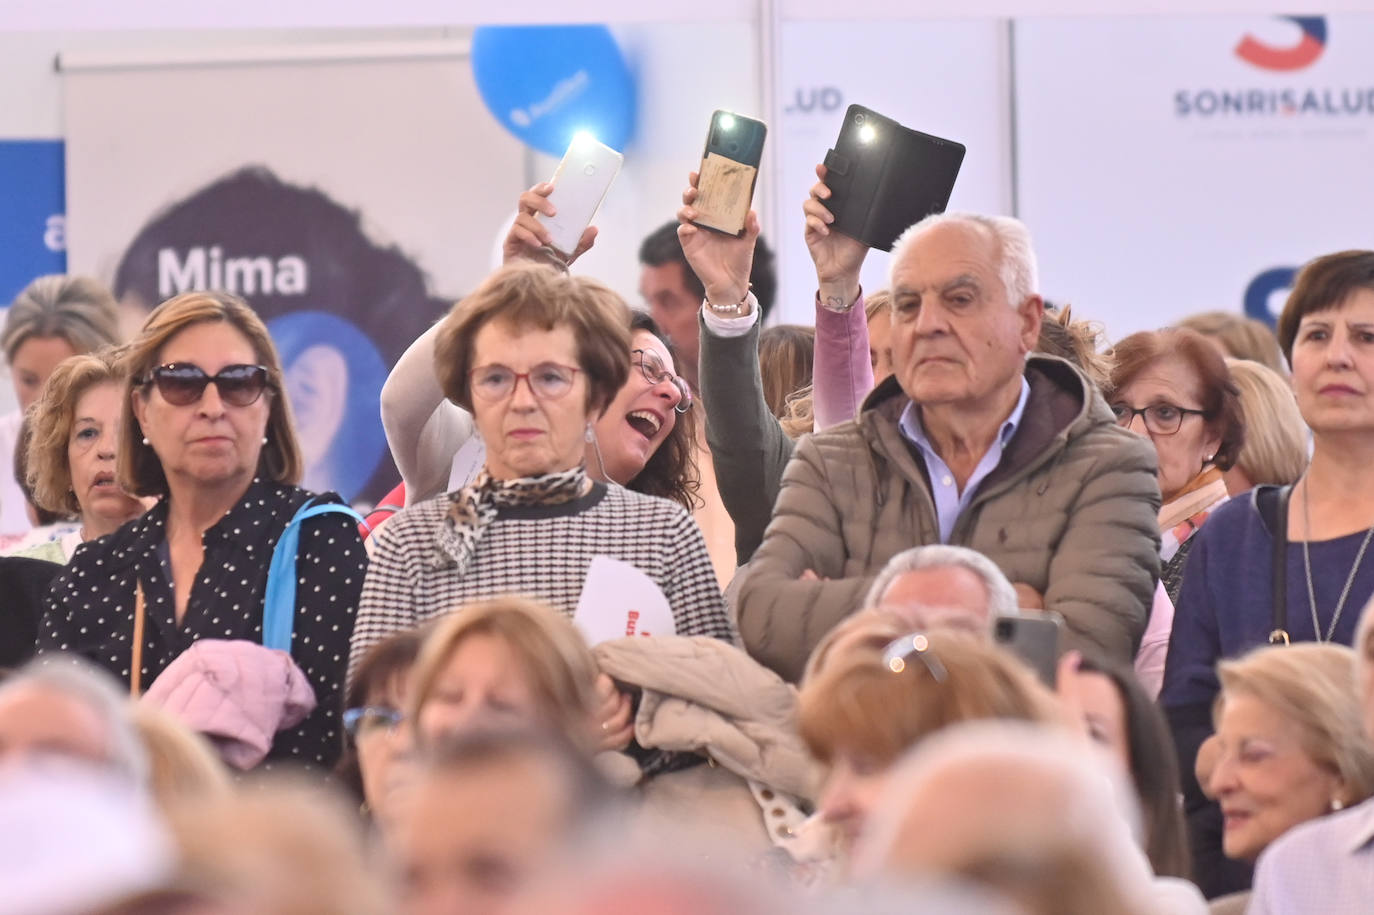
1261	102
816	98
1260	295
1294	57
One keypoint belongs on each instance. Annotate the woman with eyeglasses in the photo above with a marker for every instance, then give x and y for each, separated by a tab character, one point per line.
374	762
643	441
1172	387
1235	595
538	358
206	429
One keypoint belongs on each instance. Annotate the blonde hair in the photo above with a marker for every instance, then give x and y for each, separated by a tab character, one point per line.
183	765
49	473
786	359
282	845
139	470
78	309
552	654
857	704
1312	685
1275	447
1240	337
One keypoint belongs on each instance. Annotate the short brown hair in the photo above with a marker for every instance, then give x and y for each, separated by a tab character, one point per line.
1312	685
1220	398
50	420
1239	336
139	470
856	703
557	661
1323	284
528	295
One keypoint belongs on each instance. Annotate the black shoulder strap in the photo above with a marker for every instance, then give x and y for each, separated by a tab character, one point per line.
1272	505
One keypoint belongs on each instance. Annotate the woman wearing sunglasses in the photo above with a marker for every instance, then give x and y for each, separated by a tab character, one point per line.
207	429
537	357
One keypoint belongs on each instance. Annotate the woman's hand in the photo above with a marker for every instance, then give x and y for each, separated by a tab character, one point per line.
838	258
722	262
615	726
529	238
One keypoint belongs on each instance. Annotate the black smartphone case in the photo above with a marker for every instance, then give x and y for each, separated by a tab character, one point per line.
882	185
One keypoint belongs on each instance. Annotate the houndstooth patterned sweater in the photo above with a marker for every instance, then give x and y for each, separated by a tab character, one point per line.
540	551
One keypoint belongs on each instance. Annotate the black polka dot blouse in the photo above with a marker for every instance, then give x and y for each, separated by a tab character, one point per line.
90	608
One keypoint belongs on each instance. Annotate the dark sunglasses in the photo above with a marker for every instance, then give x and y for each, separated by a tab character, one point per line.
182	383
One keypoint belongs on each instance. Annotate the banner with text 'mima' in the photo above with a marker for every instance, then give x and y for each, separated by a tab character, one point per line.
330	190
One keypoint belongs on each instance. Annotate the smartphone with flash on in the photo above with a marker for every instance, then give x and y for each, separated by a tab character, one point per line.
729	172
579	185
1034	637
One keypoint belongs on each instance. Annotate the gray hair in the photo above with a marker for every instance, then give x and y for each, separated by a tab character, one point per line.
1016	264
1002	599
77	679
78	309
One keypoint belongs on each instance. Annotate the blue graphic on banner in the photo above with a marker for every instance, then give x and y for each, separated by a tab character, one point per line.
544	83
334	378
1261	290
32	217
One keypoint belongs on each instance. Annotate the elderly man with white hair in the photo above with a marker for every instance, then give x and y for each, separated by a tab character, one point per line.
1327	864
973	441
943	585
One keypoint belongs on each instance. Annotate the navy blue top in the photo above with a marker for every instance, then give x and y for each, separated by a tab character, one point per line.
1225	606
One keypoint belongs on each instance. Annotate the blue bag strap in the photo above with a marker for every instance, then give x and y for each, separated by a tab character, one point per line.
279	603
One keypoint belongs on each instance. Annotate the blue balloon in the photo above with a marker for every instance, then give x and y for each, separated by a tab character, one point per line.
334	378
546	82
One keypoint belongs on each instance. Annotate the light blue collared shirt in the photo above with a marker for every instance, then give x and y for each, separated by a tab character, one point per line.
1323	865
944	489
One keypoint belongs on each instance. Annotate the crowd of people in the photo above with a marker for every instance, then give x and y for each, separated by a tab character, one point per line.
686	614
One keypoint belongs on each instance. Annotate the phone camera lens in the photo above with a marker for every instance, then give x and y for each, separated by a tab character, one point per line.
1003	629
859	119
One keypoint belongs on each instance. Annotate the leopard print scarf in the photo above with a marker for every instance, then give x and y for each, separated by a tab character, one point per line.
475	506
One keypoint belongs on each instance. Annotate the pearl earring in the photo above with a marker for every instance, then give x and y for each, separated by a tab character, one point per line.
1337	804
264	440
145	440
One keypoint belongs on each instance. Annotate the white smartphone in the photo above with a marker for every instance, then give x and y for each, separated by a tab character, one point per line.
579	185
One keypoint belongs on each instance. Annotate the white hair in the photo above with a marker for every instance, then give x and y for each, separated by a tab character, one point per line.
1002	599
1093	806
70	676
1016	262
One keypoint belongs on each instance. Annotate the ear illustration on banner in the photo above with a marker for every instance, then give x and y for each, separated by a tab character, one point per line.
545	83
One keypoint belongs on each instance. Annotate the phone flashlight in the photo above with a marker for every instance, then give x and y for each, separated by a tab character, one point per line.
867	133
726	122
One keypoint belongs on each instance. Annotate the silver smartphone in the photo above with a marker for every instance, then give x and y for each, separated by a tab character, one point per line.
579	185
1033	636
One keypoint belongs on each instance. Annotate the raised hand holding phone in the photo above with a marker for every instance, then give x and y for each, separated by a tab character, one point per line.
721	262
529	239
838	258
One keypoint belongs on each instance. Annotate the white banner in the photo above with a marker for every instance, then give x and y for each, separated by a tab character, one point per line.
1170	166
947	78
332	187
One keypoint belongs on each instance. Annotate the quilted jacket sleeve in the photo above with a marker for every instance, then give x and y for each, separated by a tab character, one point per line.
1103	571
781	617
